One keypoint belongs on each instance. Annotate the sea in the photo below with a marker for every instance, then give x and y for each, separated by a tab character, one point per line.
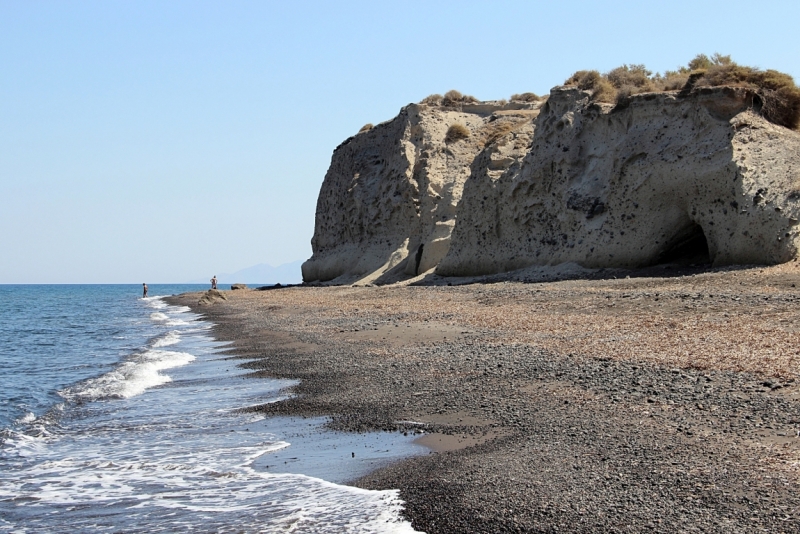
122	414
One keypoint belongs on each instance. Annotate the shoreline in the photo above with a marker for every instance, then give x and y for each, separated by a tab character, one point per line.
661	404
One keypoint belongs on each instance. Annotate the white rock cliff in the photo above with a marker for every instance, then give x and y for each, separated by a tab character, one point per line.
556	181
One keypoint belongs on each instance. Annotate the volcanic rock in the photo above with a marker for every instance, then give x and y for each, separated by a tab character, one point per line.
693	177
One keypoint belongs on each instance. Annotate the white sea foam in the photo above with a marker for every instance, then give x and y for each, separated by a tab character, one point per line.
170	338
25	444
156	302
28	418
158	316
130	378
170	320
166	489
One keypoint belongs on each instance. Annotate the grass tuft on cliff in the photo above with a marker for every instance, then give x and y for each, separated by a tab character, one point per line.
495	130
780	97
366	127
455	132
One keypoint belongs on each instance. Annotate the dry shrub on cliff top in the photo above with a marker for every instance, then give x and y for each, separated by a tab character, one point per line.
584	79
366	127
672	80
525	97
604	91
629	80
432	100
631	75
780	97
453	98
592	80
456	131
703	62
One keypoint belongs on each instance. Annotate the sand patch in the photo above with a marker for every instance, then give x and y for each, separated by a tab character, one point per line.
438	442
271	340
454	419
400	334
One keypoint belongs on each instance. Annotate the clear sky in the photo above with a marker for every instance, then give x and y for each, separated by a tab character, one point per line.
168	141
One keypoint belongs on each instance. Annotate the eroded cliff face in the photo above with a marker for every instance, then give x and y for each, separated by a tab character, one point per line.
665	175
387	206
609	187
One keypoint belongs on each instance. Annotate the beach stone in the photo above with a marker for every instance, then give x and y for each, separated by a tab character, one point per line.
238	286
211	296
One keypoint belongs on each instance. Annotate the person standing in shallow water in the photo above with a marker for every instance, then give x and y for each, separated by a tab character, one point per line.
214	282
144	290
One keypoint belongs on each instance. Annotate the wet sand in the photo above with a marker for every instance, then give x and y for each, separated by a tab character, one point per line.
664	404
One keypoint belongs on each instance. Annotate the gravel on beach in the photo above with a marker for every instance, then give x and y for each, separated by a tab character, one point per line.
638	404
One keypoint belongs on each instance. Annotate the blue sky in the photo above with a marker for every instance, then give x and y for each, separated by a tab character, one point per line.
168	141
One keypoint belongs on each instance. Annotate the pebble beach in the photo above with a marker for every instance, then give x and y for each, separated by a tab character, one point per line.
613	403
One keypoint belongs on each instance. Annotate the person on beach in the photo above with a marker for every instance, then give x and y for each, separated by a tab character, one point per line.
214	282
144	290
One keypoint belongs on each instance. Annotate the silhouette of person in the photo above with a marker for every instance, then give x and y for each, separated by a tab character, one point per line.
144	290
214	282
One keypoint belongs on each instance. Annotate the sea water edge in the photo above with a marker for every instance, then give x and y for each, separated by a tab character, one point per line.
120	413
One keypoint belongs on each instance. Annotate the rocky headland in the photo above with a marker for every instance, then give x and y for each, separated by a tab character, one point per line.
457	187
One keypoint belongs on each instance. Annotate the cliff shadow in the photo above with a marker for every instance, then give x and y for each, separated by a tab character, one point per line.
689	247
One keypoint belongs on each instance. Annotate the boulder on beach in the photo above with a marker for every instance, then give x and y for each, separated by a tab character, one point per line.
238	286
211	296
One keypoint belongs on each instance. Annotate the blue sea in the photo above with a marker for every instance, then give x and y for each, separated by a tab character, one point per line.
120	414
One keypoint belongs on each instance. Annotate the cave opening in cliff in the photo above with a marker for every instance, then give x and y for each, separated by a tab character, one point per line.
687	247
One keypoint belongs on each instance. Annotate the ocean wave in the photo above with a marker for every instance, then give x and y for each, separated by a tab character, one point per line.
174	492
130	378
156	301
165	340
28	443
174	459
28	418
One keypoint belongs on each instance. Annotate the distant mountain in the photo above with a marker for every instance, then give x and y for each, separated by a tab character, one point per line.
261	274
